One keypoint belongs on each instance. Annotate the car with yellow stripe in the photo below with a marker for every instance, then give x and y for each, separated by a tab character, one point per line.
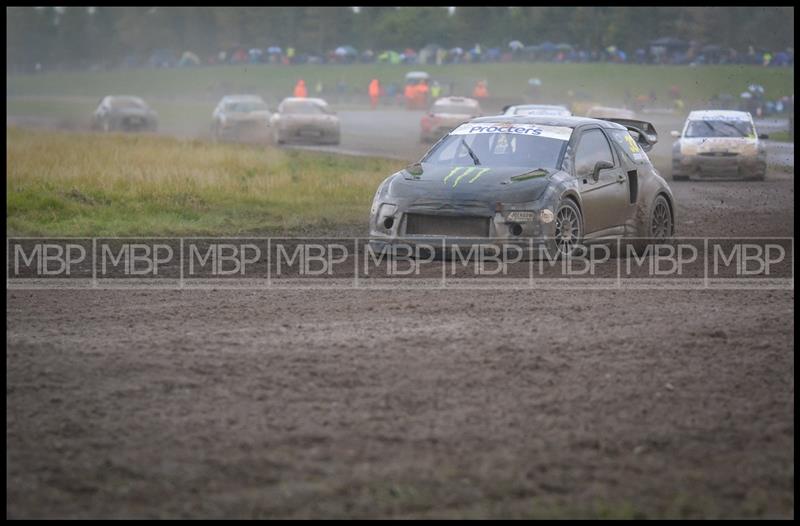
557	181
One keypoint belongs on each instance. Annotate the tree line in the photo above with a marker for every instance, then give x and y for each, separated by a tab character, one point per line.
84	37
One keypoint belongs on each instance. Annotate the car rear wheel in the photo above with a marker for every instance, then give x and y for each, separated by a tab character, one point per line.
656	228
661	223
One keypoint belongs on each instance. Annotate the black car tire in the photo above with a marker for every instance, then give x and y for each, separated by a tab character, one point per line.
656	225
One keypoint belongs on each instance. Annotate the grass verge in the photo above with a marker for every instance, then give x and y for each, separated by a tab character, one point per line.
72	184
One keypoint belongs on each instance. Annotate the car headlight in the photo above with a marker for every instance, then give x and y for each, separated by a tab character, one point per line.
376	199
546	216
387	209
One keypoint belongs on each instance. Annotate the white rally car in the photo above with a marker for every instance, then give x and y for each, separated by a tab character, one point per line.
719	144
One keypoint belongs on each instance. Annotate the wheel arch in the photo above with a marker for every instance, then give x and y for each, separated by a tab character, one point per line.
575	197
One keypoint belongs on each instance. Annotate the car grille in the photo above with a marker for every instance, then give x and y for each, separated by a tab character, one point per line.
436	225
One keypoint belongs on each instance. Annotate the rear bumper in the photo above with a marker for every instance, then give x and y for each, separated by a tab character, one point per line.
310	135
136	124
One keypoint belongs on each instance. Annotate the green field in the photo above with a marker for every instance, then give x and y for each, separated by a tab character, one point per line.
602	82
133	185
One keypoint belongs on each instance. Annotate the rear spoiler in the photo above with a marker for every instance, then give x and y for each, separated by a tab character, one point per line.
644	132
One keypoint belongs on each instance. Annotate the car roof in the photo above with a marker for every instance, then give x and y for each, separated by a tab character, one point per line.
548	120
125	97
306	99
417	75
624	112
457	100
242	98
719	114
548	106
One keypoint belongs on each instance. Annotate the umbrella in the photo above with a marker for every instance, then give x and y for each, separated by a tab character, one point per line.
457	51
274	50
344	51
390	56
515	45
189	58
547	46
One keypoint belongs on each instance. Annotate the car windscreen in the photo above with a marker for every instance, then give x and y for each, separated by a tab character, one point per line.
128	103
719	128
458	109
502	144
304	107
246	107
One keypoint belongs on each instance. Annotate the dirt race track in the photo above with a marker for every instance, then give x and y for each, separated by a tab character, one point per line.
440	403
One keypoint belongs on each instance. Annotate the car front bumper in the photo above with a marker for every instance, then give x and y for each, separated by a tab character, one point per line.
719	166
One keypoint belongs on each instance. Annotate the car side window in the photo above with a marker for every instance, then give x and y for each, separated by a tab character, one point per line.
593	147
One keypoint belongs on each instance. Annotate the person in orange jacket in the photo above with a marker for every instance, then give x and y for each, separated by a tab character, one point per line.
480	91
422	95
374	93
300	89
408	93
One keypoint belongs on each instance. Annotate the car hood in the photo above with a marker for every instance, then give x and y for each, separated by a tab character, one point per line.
740	145
448	183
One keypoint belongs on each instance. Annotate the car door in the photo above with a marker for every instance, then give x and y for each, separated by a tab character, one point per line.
604	200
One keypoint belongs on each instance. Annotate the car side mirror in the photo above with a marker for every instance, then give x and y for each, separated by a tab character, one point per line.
600	165
675	133
763	136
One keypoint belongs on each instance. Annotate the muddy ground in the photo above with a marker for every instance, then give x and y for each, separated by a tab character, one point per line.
354	403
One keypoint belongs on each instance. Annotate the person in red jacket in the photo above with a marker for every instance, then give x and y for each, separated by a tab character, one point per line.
300	89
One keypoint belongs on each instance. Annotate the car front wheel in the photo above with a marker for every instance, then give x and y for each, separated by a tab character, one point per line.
568	229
